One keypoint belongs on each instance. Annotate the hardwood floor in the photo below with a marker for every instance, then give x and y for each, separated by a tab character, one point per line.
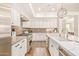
38	49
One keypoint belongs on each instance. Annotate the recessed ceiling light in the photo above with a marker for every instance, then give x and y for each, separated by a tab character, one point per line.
53	9
39	9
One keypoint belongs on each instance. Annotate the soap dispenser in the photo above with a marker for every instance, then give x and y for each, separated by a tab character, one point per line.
13	34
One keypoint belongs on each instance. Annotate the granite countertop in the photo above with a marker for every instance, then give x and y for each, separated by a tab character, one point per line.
70	47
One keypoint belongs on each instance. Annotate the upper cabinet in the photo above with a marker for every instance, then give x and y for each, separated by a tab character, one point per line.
18	14
15	16
41	23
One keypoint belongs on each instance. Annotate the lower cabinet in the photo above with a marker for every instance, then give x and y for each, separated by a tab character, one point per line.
20	48
39	37
53	48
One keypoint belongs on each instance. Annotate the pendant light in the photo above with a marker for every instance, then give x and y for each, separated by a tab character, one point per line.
62	12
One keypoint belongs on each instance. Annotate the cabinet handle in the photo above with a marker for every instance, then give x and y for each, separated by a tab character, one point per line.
20	47
17	45
22	41
51	45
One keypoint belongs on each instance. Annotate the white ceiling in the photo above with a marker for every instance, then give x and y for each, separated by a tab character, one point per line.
47	7
42	9
50	9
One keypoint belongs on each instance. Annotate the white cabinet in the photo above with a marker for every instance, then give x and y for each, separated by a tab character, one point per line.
24	47
15	15
15	49
39	37
20	48
53	48
42	23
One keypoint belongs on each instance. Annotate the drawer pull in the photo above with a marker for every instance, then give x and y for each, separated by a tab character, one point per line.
17	45
51	45
20	47
22	41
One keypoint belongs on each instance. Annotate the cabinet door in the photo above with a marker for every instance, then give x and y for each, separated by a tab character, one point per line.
23	47
39	37
15	50
15	15
53	48
20	48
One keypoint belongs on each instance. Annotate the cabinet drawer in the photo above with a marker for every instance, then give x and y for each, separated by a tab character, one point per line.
16	45
19	49
15	50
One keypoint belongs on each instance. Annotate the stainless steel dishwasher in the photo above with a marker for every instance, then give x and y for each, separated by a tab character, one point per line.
5	46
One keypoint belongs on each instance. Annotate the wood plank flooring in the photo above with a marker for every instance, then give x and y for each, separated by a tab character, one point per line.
38	49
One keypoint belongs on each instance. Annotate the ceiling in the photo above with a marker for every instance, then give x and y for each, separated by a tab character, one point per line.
42	9
50	9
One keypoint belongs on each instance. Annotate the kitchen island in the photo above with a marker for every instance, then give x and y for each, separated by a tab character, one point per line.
60	46
21	45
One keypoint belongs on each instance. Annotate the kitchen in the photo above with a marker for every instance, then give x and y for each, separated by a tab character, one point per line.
39	29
